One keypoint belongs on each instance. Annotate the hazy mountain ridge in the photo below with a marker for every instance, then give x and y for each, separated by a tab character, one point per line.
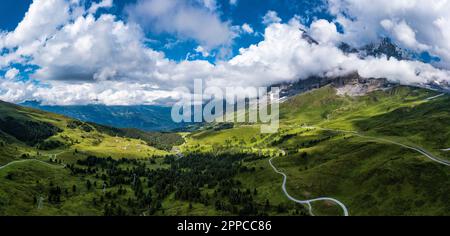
148	118
158	118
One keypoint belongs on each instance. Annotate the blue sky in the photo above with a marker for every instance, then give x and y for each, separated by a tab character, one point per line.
122	52
245	11
12	12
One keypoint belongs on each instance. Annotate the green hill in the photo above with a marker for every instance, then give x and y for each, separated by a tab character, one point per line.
355	149
54	165
37	131
378	154
35	147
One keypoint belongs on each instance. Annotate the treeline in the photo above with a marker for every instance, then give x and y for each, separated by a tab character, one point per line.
222	126
28	131
162	141
131	187
73	124
50	145
290	149
283	139
312	142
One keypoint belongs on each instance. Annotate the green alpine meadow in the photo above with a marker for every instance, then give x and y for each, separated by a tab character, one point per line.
378	154
207	116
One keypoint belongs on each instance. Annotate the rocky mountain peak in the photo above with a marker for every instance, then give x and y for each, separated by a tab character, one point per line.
351	84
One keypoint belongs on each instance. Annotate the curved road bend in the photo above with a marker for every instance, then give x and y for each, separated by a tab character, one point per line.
417	149
306	202
31	160
434	97
36	160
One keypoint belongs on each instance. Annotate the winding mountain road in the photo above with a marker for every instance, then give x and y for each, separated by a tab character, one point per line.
344	208
177	152
36	160
306	202
434	97
31	160
417	149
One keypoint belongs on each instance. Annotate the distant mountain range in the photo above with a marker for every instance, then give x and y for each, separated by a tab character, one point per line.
143	117
158	118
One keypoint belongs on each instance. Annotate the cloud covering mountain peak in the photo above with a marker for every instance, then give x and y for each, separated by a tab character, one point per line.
79	56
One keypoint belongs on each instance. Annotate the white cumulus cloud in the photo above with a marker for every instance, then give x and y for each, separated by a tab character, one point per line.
86	58
42	20
202	51
183	19
11	73
102	4
247	28
414	24
97	49
271	17
324	31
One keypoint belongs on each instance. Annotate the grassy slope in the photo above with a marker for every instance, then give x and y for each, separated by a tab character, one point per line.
370	177
32	179
20	182
401	113
27	180
95	141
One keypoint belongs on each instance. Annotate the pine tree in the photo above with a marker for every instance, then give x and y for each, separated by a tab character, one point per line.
88	184
267	206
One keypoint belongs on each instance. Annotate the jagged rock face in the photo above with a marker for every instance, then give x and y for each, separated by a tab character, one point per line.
361	89
384	47
355	85
309	39
352	85
387	48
